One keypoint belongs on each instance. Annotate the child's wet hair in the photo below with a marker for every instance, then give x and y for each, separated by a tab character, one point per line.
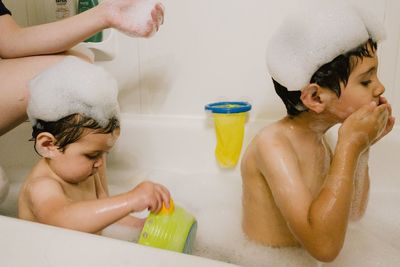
331	76
70	129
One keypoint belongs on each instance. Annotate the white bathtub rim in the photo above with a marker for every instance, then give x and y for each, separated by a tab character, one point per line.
44	245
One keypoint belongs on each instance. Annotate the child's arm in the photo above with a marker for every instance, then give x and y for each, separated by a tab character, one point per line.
320	224
102	192
61	35
131	222
101	180
361	188
51	206
361	179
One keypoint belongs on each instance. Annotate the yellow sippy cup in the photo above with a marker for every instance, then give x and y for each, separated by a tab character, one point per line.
229	120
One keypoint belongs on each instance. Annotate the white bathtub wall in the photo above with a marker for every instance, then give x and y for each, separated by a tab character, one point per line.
214	50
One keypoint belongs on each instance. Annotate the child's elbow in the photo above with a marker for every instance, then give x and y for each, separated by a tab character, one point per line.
326	252
4	52
326	256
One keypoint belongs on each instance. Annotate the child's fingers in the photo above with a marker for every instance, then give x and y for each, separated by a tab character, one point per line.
389	109
383	113
364	110
382	110
165	195
155	204
382	100
390	123
159	203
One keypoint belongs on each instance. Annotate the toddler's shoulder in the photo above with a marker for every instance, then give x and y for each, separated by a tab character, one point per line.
42	185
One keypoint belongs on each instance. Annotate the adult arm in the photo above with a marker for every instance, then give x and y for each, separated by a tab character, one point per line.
49	38
55	37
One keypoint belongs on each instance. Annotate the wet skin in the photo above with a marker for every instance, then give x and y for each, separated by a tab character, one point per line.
69	188
296	191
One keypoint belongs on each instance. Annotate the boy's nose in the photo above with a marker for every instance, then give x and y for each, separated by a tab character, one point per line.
380	89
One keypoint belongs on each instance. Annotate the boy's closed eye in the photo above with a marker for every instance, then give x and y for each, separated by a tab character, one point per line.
94	156
366	82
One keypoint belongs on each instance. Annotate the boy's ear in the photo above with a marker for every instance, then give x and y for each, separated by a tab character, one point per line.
312	97
45	145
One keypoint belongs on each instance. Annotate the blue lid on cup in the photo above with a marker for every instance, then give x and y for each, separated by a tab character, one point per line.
228	107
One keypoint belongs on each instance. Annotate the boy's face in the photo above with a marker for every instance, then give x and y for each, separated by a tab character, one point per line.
362	88
83	158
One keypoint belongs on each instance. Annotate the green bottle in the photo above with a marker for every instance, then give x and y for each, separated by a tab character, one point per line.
84	5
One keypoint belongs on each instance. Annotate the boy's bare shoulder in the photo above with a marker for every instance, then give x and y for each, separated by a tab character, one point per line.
270	146
274	135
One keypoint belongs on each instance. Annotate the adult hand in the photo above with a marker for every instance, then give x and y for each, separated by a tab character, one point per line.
138	18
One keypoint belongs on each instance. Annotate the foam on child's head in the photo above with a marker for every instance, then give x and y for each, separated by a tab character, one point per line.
73	86
313	36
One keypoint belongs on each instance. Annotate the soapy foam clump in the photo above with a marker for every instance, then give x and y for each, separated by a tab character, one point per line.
73	86
313	36
139	14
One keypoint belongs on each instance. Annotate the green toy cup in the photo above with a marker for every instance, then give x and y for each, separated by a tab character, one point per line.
174	231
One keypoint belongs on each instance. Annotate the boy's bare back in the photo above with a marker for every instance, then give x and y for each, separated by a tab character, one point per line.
279	149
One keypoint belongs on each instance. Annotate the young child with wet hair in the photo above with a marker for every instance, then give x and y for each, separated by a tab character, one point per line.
296	191
26	51
75	116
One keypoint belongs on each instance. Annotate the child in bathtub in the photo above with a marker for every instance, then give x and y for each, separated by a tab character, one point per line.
26	51
74	127
296	191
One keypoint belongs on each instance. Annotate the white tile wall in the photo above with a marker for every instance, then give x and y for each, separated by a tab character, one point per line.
213	50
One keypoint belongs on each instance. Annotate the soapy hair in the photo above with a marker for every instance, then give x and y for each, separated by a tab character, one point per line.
330	76
70	129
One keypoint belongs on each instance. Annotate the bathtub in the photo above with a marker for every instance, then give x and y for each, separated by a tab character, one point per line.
179	152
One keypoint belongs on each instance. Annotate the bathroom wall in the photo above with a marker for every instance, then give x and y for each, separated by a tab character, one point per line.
213	50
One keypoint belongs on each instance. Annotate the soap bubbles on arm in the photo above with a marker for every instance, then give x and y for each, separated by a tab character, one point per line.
137	18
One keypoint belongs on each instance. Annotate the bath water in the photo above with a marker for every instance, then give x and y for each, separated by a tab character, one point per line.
215	201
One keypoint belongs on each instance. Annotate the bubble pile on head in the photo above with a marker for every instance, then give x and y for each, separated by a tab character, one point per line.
70	87
314	35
